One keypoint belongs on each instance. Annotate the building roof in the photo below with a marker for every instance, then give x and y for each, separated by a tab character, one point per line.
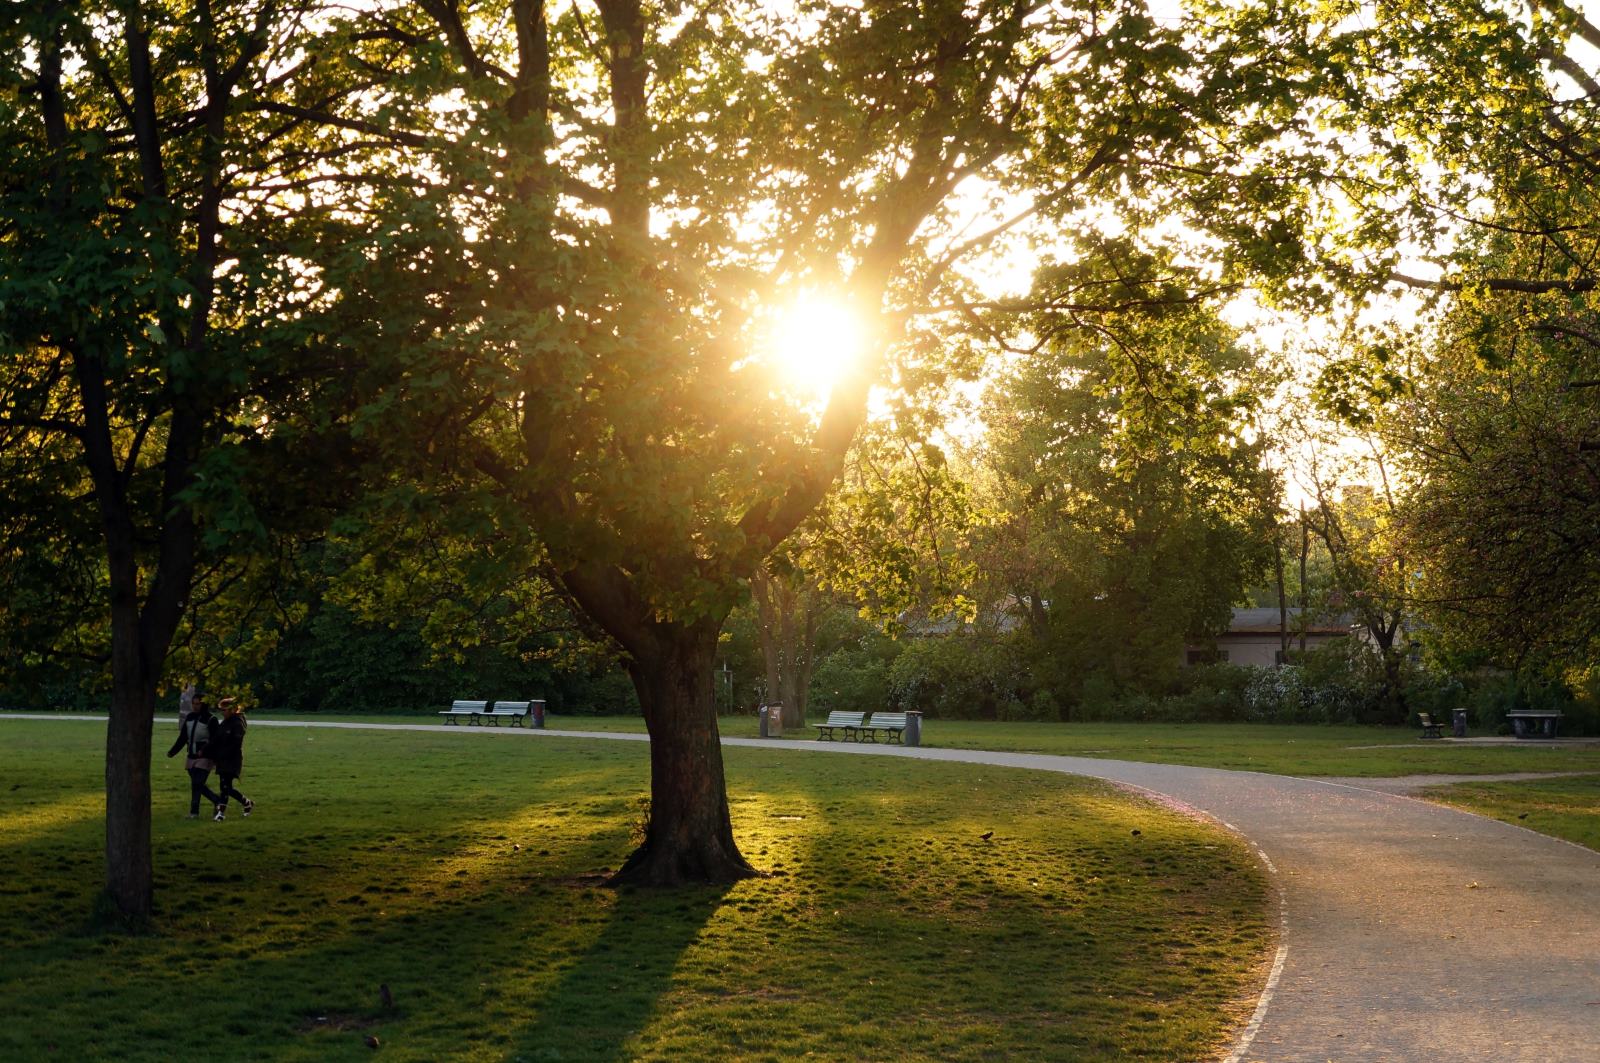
1266	620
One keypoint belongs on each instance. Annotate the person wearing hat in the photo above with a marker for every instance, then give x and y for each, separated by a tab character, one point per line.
227	749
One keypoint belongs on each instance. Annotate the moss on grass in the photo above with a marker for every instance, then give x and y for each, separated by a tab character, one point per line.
465	875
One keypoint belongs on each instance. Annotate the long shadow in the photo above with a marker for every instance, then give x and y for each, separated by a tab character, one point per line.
608	994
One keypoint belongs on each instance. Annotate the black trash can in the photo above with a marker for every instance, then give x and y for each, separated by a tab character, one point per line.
1459	720
913	734
538	714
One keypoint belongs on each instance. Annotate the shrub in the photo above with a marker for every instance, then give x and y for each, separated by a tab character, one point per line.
853	679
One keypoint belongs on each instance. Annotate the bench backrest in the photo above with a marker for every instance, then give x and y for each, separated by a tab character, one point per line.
887	719
1425	719
845	719
468	706
515	708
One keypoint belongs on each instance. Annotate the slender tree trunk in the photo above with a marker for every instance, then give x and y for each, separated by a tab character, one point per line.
1305	548
1283	602
690	834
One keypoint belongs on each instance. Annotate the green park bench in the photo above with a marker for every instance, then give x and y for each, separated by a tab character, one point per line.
848	722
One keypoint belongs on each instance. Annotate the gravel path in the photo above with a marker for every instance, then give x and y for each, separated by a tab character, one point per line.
1412	931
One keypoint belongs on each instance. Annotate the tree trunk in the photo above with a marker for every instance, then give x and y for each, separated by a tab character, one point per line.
129	871
1305	548
1283	602
689	837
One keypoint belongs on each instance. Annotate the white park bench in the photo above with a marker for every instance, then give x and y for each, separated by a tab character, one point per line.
848	722
892	724
470	709
518	712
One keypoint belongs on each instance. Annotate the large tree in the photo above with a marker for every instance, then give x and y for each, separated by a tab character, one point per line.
626	191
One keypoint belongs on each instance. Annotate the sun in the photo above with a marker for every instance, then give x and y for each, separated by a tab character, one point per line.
813	341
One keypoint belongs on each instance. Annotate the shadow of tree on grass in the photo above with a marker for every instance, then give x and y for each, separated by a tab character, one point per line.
604	997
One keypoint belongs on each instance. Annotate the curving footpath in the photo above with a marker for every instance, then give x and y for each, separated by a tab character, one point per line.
1411	931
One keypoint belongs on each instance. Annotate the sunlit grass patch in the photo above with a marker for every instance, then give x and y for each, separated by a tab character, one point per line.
1566	807
466	874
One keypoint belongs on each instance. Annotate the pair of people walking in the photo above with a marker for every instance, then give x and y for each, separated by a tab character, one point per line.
212	744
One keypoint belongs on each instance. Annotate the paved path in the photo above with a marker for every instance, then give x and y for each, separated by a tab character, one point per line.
1412	931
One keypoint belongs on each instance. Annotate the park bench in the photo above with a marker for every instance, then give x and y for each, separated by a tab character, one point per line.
470	709
892	724
518	712
1430	729
848	722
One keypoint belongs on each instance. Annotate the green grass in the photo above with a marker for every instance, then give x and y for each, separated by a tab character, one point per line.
464	872
1370	752
1565	808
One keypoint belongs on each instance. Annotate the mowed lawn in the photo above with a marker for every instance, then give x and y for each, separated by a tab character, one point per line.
464	872
1303	750
1371	752
1565	807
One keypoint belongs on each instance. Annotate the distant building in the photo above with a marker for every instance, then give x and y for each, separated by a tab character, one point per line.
1253	638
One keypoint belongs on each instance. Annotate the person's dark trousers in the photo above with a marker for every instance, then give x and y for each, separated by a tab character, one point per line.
225	784
198	789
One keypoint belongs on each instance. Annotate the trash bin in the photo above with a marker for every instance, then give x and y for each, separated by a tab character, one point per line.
538	714
1458	719
771	720
913	735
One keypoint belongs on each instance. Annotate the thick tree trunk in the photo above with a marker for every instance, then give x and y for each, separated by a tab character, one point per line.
129	872
689	838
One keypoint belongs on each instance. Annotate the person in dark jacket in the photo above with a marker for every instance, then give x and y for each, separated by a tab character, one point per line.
194	736
227	750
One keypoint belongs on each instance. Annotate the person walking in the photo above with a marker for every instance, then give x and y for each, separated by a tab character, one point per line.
227	750
194	736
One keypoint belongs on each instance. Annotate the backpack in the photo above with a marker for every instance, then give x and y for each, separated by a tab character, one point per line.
199	728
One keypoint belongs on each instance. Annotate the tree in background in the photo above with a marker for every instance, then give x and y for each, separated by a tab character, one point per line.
1131	507
1500	432
886	542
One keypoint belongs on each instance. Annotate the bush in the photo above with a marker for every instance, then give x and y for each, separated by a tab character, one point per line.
966	677
853	680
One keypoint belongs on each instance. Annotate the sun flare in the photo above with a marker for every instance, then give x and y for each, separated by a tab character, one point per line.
813	341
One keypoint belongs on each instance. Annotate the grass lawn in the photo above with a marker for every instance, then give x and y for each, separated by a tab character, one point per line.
1370	752
464	872
1566	808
